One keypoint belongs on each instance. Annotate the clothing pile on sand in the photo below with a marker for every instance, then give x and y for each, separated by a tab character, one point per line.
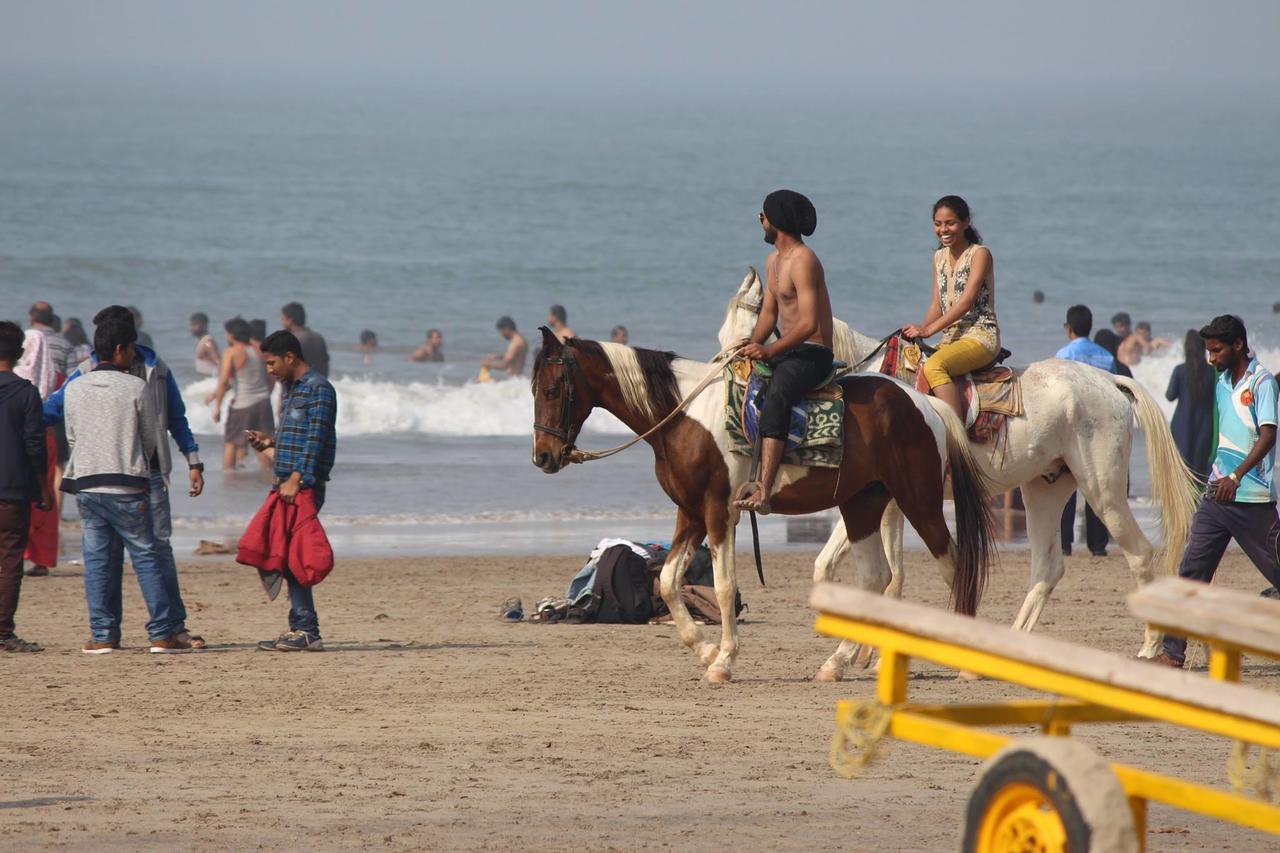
620	584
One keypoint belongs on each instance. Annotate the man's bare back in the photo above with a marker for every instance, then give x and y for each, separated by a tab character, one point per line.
517	350
798	283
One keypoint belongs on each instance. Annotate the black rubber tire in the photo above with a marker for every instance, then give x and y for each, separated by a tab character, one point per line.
1088	797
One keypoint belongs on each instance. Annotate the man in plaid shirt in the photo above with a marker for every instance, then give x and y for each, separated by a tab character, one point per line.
303	447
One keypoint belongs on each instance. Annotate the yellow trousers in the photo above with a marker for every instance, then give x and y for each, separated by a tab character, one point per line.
956	359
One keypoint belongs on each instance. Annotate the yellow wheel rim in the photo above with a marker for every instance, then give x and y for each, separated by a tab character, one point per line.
1021	819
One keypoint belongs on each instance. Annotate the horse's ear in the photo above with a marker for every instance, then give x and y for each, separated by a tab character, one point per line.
747	280
550	343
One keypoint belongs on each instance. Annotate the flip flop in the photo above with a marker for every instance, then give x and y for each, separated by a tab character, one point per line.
741	498
512	610
17	644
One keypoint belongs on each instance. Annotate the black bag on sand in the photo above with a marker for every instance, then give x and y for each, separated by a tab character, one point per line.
623	590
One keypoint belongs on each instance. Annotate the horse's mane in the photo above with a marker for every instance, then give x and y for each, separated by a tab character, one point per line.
645	376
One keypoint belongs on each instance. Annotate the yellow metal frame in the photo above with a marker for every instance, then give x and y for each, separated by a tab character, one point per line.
954	727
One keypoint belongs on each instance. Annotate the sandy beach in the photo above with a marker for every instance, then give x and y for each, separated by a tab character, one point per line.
429	724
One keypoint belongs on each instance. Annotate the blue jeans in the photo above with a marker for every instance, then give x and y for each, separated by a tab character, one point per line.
302	604
112	523
162	527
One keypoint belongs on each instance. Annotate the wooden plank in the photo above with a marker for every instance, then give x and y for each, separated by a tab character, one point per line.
1208	612
1037	650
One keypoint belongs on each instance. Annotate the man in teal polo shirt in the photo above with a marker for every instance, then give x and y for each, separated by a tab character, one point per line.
1240	502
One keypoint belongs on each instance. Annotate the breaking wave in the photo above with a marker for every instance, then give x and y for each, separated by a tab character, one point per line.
384	407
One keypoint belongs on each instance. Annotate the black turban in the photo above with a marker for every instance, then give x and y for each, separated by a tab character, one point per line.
789	211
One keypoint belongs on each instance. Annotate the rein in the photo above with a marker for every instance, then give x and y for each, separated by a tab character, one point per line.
578	456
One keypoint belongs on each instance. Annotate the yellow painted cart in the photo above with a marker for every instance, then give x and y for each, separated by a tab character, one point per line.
1053	792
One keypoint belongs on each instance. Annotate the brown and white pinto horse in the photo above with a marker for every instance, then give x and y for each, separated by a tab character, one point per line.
897	447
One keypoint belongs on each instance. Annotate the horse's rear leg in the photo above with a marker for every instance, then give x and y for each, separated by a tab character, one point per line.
690	532
838	546
1044	503
891	524
871	570
832	554
1108	495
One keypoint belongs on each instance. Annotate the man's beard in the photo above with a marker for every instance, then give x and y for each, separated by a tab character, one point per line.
770	236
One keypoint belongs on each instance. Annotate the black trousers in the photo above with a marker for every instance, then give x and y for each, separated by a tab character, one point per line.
15	521
1096	534
794	374
1256	530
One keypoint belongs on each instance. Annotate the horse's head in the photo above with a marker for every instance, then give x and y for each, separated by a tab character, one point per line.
740	317
562	400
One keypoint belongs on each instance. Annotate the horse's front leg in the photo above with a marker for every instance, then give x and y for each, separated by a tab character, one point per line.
722	538
689	534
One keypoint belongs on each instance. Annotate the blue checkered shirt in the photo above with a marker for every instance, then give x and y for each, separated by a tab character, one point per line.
305	438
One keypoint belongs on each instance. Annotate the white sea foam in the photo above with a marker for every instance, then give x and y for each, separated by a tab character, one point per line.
383	407
1154	371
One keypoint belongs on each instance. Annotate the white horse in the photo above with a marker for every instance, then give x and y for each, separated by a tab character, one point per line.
1077	434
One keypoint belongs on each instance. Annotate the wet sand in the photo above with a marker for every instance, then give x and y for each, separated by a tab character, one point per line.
429	724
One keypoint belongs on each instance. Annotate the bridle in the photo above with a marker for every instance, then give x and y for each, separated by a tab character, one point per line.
569	435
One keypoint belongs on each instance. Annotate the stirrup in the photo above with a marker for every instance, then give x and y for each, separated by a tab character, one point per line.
741	497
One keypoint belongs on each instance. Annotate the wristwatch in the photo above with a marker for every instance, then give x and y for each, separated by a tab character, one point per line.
1233	478
199	466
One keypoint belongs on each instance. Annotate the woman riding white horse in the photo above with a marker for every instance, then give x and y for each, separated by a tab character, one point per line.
1076	434
963	308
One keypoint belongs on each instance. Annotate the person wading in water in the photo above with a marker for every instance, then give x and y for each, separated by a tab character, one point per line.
797	303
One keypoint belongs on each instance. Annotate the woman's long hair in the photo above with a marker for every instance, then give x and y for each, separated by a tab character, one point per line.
1198	370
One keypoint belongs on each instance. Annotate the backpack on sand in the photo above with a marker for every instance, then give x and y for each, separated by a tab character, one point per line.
623	588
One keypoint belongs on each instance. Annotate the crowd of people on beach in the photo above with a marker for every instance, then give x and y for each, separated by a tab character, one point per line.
118	404
93	417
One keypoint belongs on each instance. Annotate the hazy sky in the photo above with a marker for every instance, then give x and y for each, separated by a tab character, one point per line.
950	47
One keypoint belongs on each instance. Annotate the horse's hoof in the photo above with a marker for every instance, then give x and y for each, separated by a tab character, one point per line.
707	653
828	676
718	675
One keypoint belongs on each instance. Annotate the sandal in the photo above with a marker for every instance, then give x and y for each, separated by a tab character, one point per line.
742	498
512	610
17	644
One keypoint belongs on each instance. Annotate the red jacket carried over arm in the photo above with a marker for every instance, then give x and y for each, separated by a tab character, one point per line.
287	537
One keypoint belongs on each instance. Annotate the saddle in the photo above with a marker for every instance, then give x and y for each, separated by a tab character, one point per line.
992	394
815	436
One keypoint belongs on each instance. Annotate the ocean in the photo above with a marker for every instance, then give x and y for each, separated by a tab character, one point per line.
401	211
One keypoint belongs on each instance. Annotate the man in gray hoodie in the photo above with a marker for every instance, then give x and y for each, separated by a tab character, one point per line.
111	429
171	420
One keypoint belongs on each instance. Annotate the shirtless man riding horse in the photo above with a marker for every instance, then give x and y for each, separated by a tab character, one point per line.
797	306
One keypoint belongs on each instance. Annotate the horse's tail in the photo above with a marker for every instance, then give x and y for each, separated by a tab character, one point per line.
1173	484
975	526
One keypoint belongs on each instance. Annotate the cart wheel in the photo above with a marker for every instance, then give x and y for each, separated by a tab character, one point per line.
1048	794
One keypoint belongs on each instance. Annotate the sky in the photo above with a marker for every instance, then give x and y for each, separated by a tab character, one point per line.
951	49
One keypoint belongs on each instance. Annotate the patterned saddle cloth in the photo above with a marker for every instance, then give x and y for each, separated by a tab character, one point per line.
816	434
992	395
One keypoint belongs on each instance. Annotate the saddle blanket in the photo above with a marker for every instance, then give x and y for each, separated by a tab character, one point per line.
992	395
815	437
